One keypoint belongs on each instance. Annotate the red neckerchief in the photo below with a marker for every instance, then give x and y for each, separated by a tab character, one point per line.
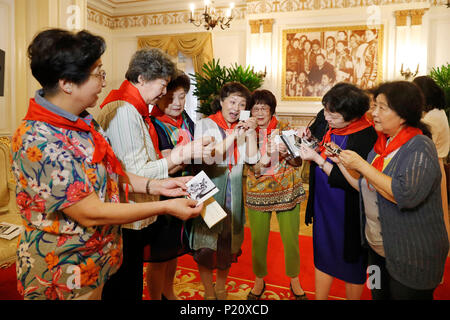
102	149
129	93
400	139
370	120
220	121
353	127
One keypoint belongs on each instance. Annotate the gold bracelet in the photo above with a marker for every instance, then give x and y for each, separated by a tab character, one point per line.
147	186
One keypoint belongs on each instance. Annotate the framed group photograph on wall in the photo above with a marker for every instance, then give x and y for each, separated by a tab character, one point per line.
315	59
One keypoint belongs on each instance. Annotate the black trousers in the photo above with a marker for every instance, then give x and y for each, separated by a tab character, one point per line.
391	289
127	282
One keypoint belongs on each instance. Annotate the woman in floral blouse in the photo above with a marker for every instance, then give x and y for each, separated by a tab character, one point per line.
273	184
68	177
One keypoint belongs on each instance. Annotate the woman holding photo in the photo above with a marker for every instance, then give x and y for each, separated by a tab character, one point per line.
68	177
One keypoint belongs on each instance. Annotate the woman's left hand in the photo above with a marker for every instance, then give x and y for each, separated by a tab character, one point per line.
170	187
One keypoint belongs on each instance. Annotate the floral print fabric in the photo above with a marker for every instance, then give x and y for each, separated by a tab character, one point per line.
58	258
280	188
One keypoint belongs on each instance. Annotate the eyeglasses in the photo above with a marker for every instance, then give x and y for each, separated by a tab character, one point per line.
101	75
261	109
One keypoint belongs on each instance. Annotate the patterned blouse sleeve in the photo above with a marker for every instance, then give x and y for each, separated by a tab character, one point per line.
49	171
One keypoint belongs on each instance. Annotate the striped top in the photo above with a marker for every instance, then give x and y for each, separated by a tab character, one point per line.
131	142
414	235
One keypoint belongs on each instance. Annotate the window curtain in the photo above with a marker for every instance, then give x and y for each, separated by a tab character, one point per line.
198	46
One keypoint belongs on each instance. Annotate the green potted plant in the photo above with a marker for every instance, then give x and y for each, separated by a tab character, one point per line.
442	77
213	76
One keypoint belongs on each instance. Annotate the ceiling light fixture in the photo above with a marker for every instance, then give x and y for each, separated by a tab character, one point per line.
209	17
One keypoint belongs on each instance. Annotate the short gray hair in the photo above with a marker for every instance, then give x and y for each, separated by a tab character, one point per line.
151	64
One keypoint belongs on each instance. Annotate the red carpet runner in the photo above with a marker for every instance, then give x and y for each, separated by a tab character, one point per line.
188	286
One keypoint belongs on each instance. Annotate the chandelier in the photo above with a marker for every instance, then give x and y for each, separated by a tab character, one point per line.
209	18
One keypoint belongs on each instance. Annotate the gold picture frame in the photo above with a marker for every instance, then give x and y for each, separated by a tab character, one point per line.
349	54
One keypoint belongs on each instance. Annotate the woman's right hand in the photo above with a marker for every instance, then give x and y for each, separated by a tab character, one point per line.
303	132
182	208
351	160
306	153
200	148
239	129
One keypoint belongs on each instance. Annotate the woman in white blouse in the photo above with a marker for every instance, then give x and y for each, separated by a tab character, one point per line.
125	117
435	117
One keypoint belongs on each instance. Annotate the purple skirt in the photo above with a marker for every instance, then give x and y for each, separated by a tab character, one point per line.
328	230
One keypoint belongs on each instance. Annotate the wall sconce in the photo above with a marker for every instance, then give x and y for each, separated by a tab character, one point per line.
261	73
209	18
408	73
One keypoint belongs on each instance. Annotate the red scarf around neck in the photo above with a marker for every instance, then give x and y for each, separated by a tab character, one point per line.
220	121
102	149
271	126
353	127
129	93
400	139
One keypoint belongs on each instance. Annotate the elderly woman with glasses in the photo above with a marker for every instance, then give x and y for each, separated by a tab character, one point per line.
273	184
68	177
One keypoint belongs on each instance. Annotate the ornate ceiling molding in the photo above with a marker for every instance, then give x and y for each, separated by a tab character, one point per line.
135	20
149	19
270	6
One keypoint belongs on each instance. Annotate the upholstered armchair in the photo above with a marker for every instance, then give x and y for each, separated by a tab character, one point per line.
8	208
